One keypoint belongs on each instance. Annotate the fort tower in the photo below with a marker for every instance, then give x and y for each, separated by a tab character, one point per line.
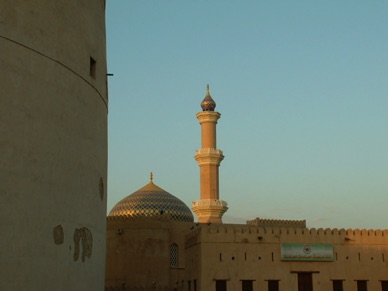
53	140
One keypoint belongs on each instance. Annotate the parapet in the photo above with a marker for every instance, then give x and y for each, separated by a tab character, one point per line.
277	223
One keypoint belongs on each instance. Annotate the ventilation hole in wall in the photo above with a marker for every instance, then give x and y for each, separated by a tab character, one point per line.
347	258
220	257
336	256
232	258
371	258
259	258
92	68
101	187
272	256
359	256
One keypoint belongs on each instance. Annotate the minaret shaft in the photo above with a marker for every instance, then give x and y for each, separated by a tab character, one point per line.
209	182
208	130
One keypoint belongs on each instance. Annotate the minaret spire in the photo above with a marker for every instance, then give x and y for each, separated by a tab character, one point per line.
209	208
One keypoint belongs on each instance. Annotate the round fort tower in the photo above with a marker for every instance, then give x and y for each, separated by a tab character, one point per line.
53	141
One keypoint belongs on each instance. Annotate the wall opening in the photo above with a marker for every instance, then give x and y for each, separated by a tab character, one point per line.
174	255
247	285
338	285
220	285
305	281
273	285
92	68
362	285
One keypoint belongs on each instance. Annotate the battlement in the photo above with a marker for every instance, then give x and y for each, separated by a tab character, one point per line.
260	234
276	222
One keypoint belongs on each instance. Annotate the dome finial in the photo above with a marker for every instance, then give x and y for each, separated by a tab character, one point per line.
151	176
208	103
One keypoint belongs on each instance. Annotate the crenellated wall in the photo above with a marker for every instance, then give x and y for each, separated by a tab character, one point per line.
248	233
276	222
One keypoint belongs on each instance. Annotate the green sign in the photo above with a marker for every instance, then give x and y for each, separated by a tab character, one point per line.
307	252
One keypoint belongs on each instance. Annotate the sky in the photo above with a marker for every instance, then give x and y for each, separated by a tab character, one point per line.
302	88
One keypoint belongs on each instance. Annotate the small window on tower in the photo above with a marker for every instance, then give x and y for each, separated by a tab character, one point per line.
92	69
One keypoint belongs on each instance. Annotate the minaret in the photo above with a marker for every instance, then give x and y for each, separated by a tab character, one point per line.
209	208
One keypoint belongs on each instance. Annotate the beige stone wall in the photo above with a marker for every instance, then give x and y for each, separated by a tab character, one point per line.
138	254
240	252
53	140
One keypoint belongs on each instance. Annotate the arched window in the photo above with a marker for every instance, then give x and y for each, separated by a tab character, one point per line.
174	255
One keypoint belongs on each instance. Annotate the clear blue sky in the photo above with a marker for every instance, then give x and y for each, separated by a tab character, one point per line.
302	87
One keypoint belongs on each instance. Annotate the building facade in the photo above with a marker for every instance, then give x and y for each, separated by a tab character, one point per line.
246	257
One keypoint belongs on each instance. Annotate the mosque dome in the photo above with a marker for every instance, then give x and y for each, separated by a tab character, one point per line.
208	103
151	201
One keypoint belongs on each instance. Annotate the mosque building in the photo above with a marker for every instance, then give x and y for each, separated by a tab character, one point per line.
153	242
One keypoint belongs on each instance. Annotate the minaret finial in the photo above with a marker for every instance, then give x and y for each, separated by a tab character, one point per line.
208	103
151	176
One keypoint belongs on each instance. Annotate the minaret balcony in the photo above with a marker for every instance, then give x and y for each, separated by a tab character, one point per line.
208	116
209	202
209	156
209	210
